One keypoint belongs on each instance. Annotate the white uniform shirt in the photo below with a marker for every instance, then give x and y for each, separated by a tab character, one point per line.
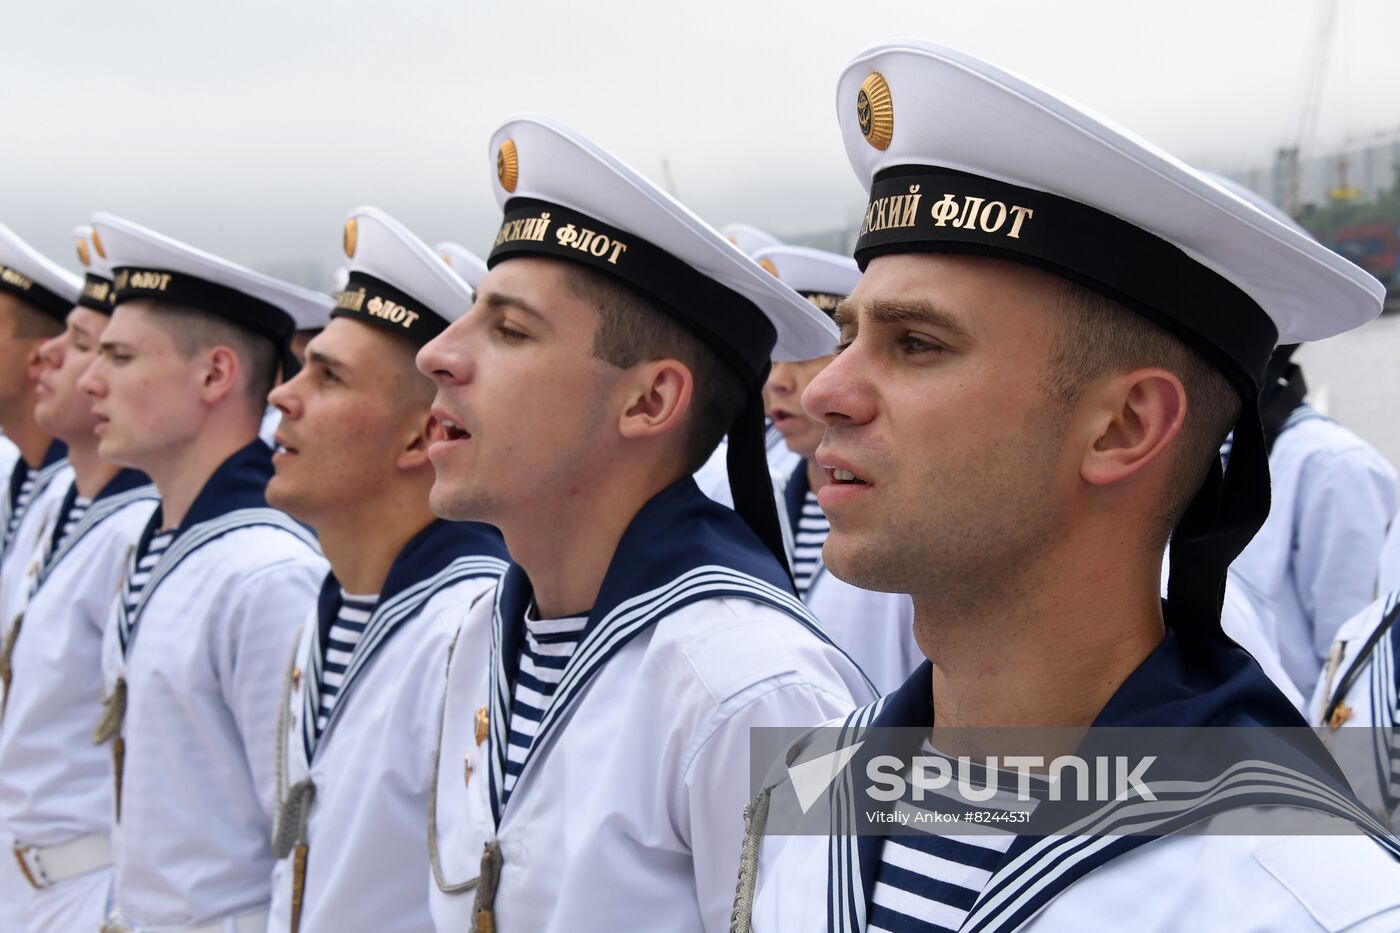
1316	555
1388	580
55	784
203	677
628	812
366	832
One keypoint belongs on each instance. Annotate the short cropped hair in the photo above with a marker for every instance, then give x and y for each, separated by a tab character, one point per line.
194	330
1101	336
633	328
32	324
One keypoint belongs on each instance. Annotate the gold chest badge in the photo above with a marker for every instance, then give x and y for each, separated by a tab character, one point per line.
483	725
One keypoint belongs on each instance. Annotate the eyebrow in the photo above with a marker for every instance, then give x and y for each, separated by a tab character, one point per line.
322	358
107	346
894	311
498	302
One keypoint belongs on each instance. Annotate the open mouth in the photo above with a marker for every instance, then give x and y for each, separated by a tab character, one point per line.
845	478
454	431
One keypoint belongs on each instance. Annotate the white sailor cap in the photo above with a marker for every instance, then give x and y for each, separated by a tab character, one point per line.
566	198
97	291
36	279
468	265
1258	200
748	238
824	279
396	282
147	264
961	156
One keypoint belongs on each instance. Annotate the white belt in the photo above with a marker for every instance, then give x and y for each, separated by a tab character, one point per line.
255	922
46	867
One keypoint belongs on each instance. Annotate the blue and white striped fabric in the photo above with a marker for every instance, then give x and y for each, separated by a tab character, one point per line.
346	632
142	565
74	508
929	882
21	503
549	643
812	529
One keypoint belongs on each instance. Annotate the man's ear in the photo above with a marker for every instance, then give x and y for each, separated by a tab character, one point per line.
221	373
428	429
1133	418
655	398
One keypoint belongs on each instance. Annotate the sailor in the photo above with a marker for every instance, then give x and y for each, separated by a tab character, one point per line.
310	322
214	590
875	629
1057	326
363	692
593	768
712	477
55	784
35	294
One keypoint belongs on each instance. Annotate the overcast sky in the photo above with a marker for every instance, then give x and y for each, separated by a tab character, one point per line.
252	128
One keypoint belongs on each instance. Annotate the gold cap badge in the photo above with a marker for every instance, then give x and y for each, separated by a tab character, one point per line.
83	255
97	242
768	265
352	230
483	725
508	165
875	110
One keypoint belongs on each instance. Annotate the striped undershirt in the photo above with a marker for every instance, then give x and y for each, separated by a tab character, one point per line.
812	529
927	882
26	493
549	643
146	562
346	632
74	508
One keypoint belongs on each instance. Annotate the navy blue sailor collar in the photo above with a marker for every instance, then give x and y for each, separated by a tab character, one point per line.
680	548
125	481
679	530
1182	683
426	554
53	454
795	493
240	482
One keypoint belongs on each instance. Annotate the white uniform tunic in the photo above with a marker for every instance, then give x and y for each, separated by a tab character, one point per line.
1388	580
202	668
1361	689
1064	883
875	629
1315	558
627	811
372	766
55	784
